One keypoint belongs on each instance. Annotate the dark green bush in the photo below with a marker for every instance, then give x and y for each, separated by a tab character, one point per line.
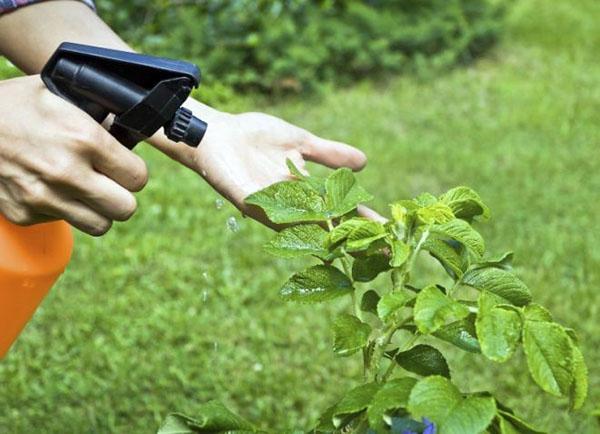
291	45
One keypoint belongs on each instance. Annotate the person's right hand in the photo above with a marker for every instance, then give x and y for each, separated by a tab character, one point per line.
57	163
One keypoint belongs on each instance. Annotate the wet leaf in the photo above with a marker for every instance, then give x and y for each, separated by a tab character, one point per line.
350	334
316	284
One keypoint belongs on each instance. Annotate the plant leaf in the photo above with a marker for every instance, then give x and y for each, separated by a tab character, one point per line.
355	401
461	231
498	328
423	360
392	395
439	400
350	334
391	302
318	184
536	312
579	388
500	282
549	356
213	417
343	194
461	333
290	202
300	240
452	258
517	424
433	309
465	203
503	261
369	300
435	213
400	253
316	284
357	232
367	268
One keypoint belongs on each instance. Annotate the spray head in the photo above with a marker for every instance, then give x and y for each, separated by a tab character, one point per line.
144	93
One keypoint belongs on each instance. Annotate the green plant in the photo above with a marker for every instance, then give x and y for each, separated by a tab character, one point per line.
480	306
290	46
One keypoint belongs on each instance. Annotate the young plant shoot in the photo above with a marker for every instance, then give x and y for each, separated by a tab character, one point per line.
481	307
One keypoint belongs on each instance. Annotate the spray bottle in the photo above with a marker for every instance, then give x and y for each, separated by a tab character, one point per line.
144	93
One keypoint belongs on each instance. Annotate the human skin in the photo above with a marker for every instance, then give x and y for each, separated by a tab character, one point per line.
240	153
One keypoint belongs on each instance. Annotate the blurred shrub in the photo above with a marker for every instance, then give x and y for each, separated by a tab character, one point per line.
292	45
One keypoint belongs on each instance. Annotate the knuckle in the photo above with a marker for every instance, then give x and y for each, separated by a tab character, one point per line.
18	216
35	195
61	171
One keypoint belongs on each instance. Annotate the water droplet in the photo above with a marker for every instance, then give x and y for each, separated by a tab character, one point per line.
219	203
232	224
205	275
203	173
204	296
258	367
215	346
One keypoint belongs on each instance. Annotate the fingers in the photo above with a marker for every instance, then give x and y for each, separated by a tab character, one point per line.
333	154
107	198
81	216
366	212
118	163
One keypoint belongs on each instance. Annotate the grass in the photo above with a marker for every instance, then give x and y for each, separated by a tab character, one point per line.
173	308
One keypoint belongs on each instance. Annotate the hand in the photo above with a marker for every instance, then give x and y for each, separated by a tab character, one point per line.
56	162
241	154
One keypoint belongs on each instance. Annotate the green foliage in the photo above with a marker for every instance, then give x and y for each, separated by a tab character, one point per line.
278	45
487	309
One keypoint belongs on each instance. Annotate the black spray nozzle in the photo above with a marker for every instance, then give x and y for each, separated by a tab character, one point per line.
144	93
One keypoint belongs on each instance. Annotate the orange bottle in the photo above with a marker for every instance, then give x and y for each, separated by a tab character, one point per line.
31	259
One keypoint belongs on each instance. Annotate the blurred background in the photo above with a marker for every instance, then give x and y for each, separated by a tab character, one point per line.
180	305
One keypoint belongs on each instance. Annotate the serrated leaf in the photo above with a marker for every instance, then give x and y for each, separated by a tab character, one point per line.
465	203
535	312
357	232
350	334
213	417
316	284
423	360
367	268
499	282
549	356
519	425
343	194
440	401
300	240
391	302
461	334
290	202
400	253
318	184
579	388
355	401
369	300
425	199
325	421
498	328
433	309
454	261
392	395
503	261
435	213
461	231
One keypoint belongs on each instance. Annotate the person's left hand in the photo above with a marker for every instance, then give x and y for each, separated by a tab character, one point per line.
241	154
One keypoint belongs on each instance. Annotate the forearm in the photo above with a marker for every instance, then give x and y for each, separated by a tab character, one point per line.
30	35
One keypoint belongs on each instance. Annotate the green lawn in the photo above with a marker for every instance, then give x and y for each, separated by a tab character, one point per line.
173	308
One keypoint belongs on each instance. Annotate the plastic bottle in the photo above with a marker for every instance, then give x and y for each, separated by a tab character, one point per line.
31	260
